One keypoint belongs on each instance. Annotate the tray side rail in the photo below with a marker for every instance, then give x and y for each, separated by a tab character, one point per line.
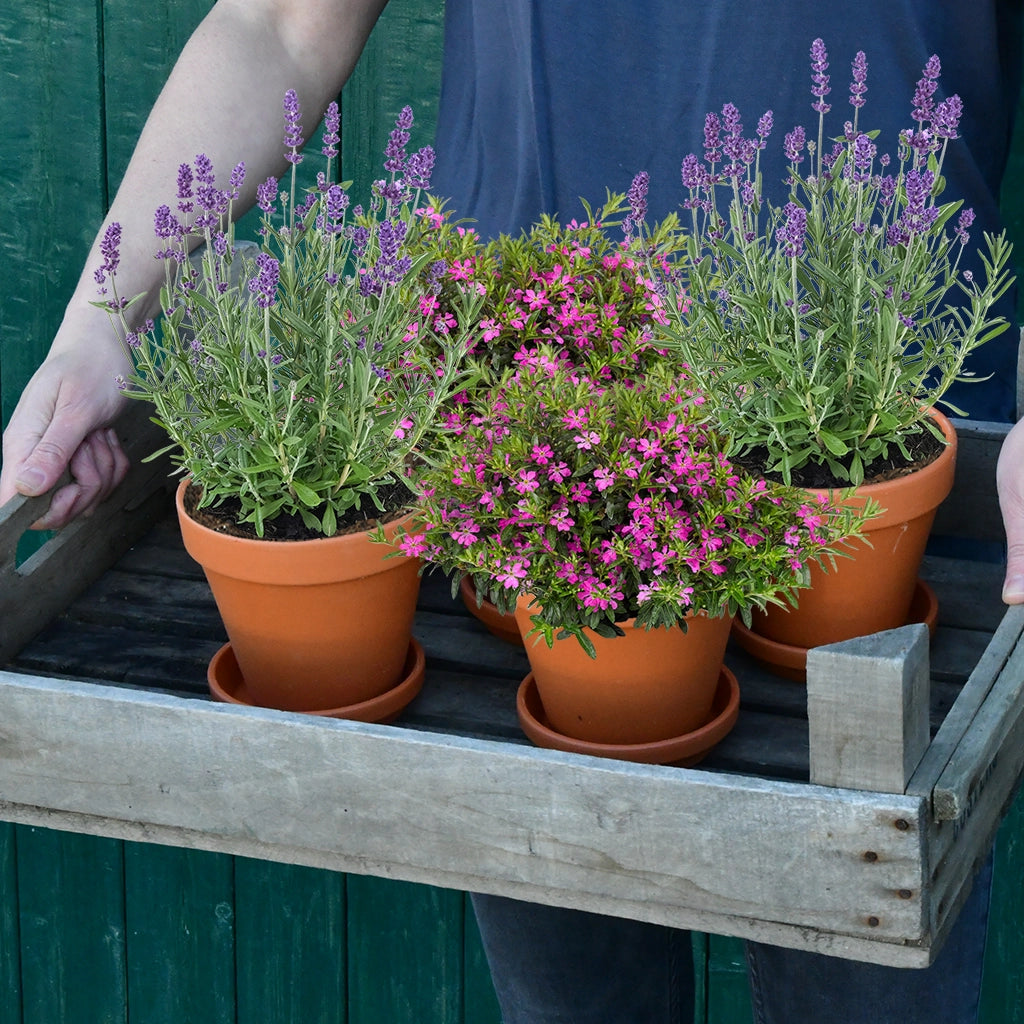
34	593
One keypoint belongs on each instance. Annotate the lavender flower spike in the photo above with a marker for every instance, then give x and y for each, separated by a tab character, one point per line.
332	131
791	235
924	105
264	286
820	81
638	197
292	129
858	86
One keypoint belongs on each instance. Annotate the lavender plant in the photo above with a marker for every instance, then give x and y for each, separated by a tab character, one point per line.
303	377
609	500
822	331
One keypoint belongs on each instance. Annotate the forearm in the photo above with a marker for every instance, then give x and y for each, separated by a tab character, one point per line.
224	99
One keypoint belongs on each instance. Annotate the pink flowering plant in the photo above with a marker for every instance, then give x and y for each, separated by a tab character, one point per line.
609	500
298	379
823	331
574	286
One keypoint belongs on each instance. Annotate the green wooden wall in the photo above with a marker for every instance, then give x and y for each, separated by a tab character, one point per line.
95	930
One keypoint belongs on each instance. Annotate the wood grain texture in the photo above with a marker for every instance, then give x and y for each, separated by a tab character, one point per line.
52	165
867	710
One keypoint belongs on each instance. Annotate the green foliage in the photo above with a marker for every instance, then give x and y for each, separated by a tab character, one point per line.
823	331
304	376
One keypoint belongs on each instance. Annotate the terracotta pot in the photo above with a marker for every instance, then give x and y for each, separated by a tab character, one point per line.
646	686
503	625
873	590
313	624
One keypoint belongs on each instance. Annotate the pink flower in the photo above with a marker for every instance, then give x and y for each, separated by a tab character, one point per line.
575	419
413	544
603	478
404	426
587	440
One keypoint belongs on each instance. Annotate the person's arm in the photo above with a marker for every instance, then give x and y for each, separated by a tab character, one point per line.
1010	483
223	98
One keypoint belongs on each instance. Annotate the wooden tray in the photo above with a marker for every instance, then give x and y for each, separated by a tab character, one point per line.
846	817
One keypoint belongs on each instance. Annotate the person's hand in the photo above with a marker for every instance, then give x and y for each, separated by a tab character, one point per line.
62	422
1010	484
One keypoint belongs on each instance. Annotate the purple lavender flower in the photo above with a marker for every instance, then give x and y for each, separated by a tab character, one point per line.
764	127
419	168
819	80
292	129
863	153
918	216
791	234
110	250
965	221
794	145
946	117
638	197
924	105
237	179
712	139
332	131
264	285
266	195
204	169
859	70
185	188
331	221
394	152
165	224
691	172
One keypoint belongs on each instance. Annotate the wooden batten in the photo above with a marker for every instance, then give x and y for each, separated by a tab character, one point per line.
867	710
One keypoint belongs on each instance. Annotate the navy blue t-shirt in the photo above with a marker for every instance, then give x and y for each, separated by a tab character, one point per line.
547	101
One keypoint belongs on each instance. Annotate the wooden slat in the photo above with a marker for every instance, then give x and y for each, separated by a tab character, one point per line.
72	938
867	709
179	917
972	509
289	928
35	592
611	837
418	926
963	713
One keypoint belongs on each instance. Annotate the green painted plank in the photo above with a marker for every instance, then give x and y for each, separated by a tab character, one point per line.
180	935
1002	996
71	928
10	953
405	946
51	165
728	991
290	944
480	1004
400	65
141	43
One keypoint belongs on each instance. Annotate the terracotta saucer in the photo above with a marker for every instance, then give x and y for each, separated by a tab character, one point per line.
790	662
501	625
682	751
228	686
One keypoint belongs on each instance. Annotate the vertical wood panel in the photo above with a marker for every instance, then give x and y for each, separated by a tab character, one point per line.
290	934
400	65
141	43
180	935
10	953
71	928
1002	998
51	164
480	1004
405	953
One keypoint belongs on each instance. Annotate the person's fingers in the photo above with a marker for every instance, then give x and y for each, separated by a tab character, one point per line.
1010	484
98	465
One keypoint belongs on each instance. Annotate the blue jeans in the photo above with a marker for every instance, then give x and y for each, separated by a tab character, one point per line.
556	966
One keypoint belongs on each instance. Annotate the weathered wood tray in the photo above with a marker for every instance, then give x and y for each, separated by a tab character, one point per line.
847	817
